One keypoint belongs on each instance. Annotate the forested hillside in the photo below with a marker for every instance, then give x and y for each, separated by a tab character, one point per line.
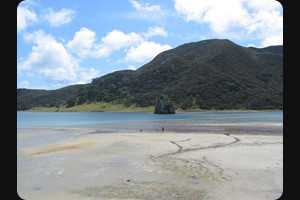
210	74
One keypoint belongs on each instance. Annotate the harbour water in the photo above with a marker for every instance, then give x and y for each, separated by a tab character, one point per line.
271	122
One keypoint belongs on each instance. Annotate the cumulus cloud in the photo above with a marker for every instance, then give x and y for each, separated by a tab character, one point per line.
266	22
146	7
145	51
131	67
116	40
59	18
51	60
260	19
137	48
83	42
218	13
267	5
86	75
156	31
25	17
147	11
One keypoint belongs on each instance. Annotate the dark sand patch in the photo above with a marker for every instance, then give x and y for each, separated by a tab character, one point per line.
61	147
142	190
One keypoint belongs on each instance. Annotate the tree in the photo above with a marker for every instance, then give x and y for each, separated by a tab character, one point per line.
57	103
71	103
82	99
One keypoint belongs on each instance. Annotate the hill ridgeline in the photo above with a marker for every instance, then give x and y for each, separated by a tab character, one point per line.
209	74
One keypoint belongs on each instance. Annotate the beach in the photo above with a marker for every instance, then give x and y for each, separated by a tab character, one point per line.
87	164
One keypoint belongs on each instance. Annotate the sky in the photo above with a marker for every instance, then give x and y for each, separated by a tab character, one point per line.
67	42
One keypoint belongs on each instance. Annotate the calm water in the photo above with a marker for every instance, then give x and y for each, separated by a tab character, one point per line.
133	121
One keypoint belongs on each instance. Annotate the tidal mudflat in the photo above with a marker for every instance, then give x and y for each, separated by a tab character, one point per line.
87	164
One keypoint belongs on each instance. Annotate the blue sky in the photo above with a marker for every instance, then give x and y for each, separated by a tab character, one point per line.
66	42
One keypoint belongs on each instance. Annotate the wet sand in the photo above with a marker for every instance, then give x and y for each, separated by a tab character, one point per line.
84	164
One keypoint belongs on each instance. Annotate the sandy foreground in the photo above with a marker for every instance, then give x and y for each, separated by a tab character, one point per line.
89	165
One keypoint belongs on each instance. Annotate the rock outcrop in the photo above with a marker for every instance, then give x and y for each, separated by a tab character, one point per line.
164	106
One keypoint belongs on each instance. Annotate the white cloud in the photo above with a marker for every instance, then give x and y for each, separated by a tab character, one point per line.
145	51
83	42
259	19
51	60
131	67
86	75
219	14
146	11
153	31
267	5
25	17
266	25
135	46
146	7
115	40
59	18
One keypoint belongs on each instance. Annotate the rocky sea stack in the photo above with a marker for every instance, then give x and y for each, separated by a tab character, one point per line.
164	106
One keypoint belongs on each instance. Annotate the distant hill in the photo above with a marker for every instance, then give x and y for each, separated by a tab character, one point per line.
210	74
28	98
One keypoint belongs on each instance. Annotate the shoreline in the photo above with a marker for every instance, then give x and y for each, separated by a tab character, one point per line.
147	165
151	111
121	108
257	128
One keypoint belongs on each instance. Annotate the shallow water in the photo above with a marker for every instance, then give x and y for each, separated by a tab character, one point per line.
265	122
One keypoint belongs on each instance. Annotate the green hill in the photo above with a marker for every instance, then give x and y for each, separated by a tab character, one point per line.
210	74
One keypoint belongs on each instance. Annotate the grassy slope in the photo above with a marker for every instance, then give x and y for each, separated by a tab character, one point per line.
108	107
96	107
